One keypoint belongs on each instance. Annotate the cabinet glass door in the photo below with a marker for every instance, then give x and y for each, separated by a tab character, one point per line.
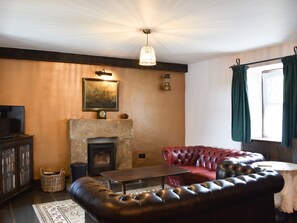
8	168
24	164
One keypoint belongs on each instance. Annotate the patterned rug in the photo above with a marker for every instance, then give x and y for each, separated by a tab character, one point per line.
67	211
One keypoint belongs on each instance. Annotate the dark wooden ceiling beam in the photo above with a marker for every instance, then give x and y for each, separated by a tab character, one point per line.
24	54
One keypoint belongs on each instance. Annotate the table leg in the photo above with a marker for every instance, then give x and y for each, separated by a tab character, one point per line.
182	179
123	188
163	182
109	184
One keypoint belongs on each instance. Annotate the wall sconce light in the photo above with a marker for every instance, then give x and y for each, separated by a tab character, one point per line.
102	72
166	82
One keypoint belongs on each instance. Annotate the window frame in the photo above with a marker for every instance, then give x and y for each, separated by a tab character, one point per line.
256	91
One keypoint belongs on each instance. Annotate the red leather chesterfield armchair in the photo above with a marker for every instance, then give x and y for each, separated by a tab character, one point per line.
202	162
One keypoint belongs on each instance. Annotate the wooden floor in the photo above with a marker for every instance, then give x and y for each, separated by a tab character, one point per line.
19	209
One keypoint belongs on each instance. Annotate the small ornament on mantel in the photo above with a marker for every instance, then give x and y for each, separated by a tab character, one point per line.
124	116
101	115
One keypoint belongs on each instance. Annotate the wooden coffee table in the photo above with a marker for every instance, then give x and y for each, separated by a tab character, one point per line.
129	175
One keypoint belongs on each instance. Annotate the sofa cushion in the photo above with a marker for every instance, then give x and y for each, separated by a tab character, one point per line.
197	174
195	169
202	177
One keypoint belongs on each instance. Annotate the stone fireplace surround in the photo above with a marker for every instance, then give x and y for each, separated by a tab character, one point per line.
80	130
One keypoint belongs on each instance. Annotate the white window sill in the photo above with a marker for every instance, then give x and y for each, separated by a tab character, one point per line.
267	139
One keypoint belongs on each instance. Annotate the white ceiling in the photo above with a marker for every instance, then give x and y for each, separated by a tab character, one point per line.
183	31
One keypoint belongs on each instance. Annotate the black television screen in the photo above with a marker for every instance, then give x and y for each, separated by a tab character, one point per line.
12	120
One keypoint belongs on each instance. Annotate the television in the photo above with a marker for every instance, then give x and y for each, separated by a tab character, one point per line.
12	120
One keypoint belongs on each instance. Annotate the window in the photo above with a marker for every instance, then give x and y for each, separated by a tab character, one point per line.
265	91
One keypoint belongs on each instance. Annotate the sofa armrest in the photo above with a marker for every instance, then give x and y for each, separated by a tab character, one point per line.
166	153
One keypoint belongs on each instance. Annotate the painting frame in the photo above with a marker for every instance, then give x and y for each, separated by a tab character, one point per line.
100	95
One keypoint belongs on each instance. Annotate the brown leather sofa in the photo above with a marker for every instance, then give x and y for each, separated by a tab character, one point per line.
245	199
202	162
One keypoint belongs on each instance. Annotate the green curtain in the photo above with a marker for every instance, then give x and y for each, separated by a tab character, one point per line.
289	100
241	121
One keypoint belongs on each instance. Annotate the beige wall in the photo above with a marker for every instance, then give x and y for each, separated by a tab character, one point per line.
52	93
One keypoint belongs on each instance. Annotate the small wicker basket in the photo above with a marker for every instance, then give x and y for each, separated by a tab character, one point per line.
52	182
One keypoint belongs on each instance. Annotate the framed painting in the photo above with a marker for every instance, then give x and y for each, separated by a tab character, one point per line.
100	95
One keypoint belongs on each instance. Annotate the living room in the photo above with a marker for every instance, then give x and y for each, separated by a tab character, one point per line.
196	111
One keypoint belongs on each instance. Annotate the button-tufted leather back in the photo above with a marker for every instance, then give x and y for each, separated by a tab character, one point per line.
244	199
204	156
209	157
232	169
181	156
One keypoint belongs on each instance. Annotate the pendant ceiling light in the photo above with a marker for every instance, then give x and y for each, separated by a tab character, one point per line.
147	53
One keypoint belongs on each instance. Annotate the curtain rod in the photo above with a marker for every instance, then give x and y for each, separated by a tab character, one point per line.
262	61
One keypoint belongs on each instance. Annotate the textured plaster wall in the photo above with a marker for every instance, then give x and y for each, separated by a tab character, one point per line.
52	94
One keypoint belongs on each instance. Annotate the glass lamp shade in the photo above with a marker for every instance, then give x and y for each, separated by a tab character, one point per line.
147	56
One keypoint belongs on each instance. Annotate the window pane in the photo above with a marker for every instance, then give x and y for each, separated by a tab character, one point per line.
254	81
272	103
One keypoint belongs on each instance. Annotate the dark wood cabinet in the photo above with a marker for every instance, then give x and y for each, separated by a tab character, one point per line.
16	167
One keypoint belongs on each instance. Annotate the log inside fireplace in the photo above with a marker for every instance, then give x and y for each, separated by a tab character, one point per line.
101	157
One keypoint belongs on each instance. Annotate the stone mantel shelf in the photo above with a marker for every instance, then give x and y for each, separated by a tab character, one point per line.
89	128
80	130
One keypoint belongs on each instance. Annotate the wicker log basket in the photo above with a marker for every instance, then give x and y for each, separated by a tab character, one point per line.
52	181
